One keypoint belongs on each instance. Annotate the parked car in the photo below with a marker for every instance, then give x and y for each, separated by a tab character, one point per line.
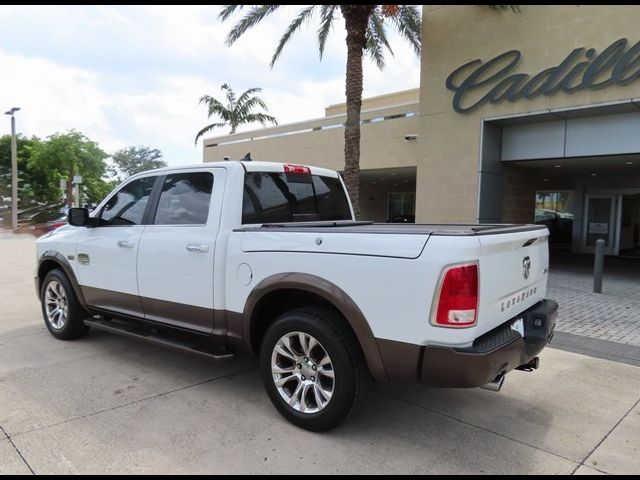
41	219
48	219
267	258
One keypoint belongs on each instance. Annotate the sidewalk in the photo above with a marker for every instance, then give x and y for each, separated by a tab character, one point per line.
612	315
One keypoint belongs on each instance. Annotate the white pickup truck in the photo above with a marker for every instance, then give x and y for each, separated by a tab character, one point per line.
267	258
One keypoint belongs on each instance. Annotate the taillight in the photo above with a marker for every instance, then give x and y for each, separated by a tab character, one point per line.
456	302
288	168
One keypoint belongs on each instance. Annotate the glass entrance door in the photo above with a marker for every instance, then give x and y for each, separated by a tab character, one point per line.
602	220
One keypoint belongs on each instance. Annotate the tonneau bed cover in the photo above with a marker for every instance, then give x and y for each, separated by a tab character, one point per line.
349	226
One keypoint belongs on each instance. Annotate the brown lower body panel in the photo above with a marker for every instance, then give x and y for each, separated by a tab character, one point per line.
446	367
117	302
497	352
179	315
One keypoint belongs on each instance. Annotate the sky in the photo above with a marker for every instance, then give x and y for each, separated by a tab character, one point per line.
133	75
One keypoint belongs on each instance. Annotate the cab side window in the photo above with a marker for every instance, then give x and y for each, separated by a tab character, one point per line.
185	199
127	206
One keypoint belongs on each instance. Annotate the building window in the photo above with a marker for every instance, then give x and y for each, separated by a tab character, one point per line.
402	207
555	209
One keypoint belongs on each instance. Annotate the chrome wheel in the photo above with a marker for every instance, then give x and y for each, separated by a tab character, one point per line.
302	372
56	305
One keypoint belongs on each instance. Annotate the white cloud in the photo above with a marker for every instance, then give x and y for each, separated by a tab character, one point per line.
52	98
133	75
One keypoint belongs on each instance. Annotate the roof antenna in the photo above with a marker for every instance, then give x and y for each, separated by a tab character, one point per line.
247	157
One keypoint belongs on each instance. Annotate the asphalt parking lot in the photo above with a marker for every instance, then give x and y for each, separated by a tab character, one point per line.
107	404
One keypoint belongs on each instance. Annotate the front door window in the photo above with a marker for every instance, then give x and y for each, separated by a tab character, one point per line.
127	206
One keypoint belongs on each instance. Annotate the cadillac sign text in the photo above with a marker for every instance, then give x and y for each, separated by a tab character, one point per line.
476	83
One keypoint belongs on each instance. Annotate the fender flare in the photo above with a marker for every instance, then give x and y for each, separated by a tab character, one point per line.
65	266
332	294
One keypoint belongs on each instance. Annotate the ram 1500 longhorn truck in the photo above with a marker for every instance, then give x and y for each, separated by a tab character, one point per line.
267	258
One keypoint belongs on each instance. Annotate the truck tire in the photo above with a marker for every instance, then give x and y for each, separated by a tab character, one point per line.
313	369
61	310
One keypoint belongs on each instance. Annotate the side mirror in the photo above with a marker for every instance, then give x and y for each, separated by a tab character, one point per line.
78	217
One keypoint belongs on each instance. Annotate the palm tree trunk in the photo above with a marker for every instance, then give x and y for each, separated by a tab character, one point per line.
356	18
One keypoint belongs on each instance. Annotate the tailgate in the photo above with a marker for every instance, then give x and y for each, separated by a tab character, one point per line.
513	274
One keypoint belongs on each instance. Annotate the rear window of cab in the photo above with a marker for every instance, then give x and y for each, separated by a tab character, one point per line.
272	197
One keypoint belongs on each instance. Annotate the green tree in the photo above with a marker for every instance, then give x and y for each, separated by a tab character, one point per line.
28	180
63	156
96	189
236	111
131	160
366	27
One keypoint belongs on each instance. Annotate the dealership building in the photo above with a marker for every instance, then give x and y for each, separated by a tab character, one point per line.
524	117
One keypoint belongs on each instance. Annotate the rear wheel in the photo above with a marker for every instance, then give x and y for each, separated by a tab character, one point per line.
313	369
63	314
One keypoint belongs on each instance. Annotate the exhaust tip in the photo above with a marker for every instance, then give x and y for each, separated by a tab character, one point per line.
495	385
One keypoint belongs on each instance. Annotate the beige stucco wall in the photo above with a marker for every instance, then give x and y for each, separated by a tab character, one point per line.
382	145
454	35
389	99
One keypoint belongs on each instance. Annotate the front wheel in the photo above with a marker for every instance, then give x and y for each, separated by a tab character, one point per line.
313	369
63	314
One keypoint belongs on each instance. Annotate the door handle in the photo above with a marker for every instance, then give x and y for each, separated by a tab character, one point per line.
125	244
198	248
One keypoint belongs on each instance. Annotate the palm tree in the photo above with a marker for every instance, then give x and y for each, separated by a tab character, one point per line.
366	33
237	111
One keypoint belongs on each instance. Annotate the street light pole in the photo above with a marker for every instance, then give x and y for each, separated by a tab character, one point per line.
14	169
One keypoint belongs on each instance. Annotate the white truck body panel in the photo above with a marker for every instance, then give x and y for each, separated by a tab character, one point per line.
111	267
387	245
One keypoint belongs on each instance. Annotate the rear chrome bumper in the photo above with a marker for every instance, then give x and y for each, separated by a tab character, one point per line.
496	352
